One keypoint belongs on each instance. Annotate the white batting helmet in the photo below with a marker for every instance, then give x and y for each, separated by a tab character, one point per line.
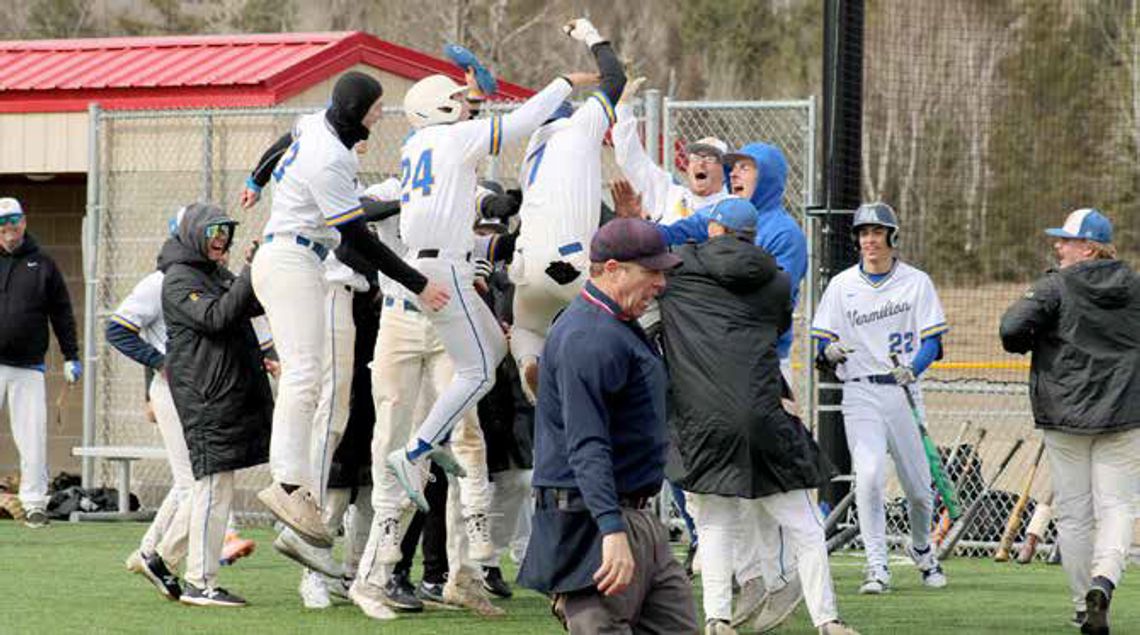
432	101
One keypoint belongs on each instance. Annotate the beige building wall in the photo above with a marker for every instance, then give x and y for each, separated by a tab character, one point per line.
39	143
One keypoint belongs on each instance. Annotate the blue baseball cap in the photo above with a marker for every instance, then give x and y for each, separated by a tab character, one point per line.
1087	224
735	213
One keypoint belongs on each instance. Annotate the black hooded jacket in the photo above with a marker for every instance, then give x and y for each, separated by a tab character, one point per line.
1082	324
213	362
723	311
32	292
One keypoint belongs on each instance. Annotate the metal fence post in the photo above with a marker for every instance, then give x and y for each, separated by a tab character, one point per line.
90	239
810	284
208	158
653	124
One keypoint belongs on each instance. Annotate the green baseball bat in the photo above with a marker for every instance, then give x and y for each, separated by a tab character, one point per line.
941	482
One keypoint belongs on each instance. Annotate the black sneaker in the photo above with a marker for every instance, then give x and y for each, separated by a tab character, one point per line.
1096	603
1079	618
166	582
216	596
36	519
401	595
430	591
494	583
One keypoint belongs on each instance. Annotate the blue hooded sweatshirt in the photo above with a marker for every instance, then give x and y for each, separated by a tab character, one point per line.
776	231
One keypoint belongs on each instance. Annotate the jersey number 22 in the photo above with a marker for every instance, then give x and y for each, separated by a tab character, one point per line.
422	178
902	343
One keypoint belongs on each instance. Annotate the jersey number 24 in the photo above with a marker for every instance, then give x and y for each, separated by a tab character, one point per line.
422	178
902	343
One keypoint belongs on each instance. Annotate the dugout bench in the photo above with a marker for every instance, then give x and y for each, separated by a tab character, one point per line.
121	456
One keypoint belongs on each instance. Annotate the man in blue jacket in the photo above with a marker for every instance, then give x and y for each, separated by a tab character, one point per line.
599	451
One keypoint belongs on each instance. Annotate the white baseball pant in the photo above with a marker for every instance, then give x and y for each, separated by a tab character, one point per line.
1096	487
356	518
169	532
723	521
538	298
510	500
210	505
331	417
409	366
475	343
23	389
877	420
289	281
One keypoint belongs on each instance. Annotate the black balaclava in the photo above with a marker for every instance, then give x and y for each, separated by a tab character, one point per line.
352	96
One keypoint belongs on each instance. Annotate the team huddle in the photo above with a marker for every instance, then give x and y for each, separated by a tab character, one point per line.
692	285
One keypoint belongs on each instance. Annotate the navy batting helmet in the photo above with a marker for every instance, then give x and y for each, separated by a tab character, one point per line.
879	214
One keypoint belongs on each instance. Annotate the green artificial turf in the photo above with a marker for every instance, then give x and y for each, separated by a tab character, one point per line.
69	578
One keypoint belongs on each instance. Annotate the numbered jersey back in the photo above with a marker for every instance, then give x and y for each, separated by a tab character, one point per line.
437	183
876	319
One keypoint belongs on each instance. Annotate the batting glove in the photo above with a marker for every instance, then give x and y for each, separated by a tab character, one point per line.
72	371
483	268
582	30
836	353
904	375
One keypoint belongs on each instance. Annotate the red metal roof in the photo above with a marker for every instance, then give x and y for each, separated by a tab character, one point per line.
211	71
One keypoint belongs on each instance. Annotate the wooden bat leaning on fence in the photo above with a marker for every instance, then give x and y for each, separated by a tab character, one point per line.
1038	525
1014	521
967	519
944	522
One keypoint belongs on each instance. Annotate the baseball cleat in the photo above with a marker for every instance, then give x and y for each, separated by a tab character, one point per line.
779	605
298	510
370	600
447	462
155	571
837	627
410	476
314	593
465	59
494	583
290	545
36	519
430	591
401	595
236	548
932	575
876	582
753	598
216	596
464	590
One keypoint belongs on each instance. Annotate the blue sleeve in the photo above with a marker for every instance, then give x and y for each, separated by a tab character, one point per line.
589	370
130	344
927	353
695	227
789	247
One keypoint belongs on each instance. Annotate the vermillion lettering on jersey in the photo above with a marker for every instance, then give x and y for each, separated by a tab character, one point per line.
887	310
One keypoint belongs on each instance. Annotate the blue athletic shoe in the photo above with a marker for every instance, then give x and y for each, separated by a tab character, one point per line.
465	59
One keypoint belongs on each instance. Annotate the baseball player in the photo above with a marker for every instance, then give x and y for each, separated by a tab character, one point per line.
879	308
561	181
438	163
665	200
314	206
33	294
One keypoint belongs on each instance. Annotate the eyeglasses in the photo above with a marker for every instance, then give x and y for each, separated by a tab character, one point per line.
704	158
216	231
14	219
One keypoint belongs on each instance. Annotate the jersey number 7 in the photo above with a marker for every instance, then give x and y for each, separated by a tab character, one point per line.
422	178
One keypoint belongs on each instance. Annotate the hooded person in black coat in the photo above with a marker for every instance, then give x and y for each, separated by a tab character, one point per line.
740	451
218	381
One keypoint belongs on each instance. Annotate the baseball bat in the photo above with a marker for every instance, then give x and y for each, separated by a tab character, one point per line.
958	443
955	533
1042	514
944	522
941	483
1014	522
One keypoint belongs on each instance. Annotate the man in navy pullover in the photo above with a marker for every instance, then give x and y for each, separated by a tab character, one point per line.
599	450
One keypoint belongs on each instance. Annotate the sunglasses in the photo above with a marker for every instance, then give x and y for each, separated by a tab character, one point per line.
11	220
219	231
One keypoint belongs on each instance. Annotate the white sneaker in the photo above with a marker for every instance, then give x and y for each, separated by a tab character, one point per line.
314	593
837	627
370	600
927	563
779	605
290	545
298	510
719	627
410	476
388	548
479	545
464	590
876	582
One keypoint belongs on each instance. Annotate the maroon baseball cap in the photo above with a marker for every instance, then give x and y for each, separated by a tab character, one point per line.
632	240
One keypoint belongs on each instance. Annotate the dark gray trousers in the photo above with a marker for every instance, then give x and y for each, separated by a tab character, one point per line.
659	599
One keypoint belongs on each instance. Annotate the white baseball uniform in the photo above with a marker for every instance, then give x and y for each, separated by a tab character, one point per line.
561	181
875	320
664	198
437	213
314	191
